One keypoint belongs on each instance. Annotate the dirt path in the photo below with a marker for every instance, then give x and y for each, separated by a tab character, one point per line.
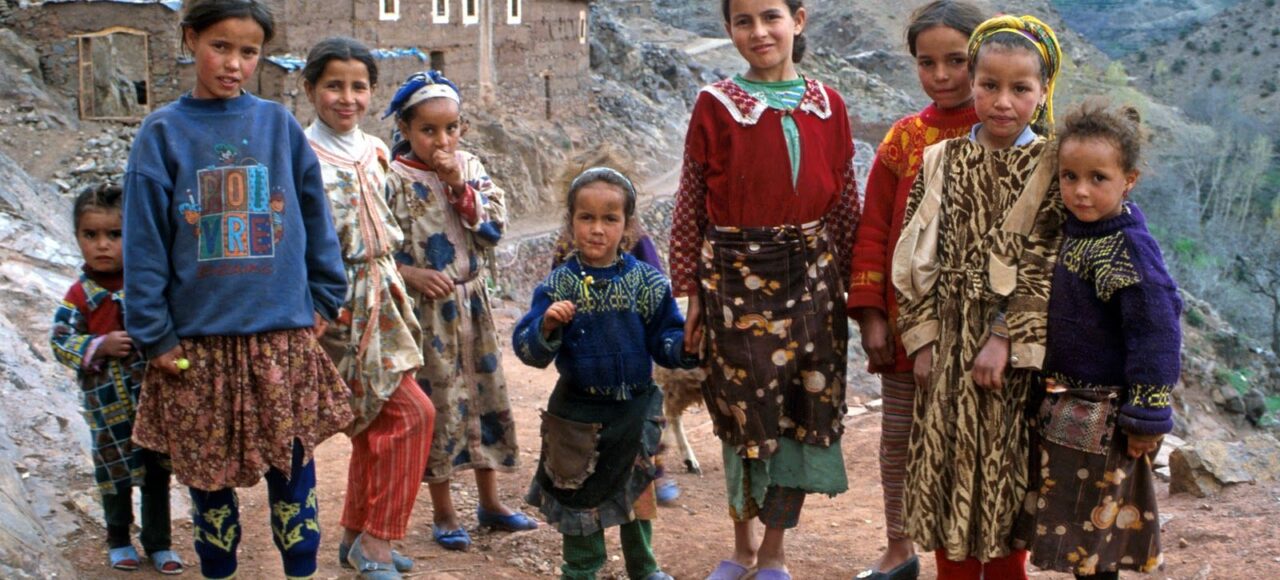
1234	536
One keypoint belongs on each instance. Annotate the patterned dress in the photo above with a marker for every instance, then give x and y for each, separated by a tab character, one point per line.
967	467
375	337
1113	359
462	363
109	386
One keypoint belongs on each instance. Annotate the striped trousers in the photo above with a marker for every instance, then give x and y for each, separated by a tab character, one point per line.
898	393
387	462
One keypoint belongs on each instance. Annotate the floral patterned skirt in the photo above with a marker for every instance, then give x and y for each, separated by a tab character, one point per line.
775	320
237	410
1089	508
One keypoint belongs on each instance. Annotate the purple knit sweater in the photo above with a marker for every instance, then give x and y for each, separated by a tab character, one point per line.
1113	318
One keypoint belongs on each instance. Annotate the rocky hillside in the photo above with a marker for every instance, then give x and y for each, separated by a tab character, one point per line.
1122	28
1231	58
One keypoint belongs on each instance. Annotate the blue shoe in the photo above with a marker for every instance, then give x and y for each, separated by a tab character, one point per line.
516	522
167	562
457	540
368	569
125	558
400	561
667	491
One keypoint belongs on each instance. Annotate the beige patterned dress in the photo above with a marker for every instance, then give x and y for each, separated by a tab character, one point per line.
374	339
967	468
462	362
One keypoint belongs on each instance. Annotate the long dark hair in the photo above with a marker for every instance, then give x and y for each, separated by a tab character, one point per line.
202	14
960	16
338	48
797	45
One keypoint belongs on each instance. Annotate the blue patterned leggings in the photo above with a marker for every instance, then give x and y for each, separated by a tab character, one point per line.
295	523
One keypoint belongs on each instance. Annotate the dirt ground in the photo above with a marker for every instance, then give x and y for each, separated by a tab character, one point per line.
1236	535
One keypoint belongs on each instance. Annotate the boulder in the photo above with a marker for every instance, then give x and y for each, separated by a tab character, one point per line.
1205	468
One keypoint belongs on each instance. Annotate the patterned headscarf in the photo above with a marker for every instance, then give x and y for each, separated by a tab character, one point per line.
1041	36
420	87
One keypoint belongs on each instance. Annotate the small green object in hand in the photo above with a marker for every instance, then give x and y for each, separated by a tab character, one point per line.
182	364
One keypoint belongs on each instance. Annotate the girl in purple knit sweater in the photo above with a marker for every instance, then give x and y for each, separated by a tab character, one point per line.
1112	360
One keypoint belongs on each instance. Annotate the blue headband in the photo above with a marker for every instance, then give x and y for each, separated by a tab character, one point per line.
595	173
420	87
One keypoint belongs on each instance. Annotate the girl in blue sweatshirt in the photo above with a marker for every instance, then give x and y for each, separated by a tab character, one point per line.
603	317
232	268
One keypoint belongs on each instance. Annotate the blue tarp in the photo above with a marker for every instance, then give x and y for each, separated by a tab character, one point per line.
293	63
174	5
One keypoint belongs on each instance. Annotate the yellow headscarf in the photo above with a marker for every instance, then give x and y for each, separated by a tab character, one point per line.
1041	36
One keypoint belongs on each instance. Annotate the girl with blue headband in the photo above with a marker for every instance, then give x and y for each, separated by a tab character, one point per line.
452	215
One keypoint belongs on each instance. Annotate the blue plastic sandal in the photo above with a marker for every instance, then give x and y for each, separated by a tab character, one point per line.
667	491
124	558
730	570
771	574
458	539
368	569
167	562
516	522
402	562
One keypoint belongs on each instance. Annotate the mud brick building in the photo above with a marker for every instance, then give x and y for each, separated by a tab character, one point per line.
121	58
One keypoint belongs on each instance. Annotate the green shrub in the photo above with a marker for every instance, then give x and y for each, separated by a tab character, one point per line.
1195	318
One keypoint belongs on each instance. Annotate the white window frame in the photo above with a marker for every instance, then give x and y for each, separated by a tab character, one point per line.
469	17
582	27
436	16
518	5
382	10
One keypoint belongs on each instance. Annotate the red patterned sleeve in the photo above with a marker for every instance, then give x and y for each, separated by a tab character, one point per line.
871	242
689	219
843	218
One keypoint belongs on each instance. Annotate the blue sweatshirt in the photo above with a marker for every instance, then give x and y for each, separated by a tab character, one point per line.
625	318
226	225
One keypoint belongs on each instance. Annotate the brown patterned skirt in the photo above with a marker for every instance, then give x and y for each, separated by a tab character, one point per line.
1089	508
235	413
775	322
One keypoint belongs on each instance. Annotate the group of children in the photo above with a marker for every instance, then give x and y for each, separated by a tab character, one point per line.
279	285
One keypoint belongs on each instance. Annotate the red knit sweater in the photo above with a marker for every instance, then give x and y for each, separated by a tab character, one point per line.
737	172
892	175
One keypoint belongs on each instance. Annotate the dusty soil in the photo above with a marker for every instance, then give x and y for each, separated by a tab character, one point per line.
1236	535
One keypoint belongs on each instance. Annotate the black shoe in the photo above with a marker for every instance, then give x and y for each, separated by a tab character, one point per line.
909	570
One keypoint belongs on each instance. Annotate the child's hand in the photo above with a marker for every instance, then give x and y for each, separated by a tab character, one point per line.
446	166
1140	445
320	326
433	284
876	338
693	326
117	344
558	314
922	367
168	362
988	367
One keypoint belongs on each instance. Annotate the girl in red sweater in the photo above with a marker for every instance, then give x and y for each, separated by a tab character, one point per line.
938	37
761	241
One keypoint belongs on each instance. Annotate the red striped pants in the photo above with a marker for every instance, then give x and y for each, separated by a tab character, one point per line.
898	392
387	462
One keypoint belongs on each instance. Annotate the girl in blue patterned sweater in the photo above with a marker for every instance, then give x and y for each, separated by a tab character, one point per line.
602	316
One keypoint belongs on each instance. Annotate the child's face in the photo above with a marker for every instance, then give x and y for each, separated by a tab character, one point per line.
341	94
599	220
1093	181
226	55
99	234
942	63
1006	91
763	31
435	126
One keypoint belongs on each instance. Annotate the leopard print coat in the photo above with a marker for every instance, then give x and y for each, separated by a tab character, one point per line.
967	467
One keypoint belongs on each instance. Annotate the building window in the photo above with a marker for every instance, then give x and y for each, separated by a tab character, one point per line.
470	11
388	9
440	11
437	60
582	27
514	11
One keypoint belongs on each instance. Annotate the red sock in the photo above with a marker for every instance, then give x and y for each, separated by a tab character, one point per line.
1011	567
970	569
